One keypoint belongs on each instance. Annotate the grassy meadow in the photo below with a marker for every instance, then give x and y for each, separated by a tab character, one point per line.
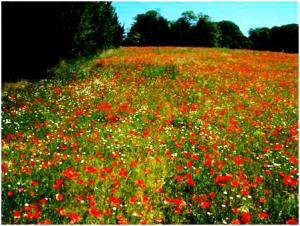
155	135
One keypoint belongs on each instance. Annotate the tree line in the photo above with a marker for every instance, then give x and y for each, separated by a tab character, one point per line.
36	35
152	29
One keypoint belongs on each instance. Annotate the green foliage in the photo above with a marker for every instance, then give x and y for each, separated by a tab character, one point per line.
166	70
98	29
206	32
284	38
149	29
232	37
260	38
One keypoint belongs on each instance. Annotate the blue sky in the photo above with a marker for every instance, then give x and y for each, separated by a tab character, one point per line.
245	14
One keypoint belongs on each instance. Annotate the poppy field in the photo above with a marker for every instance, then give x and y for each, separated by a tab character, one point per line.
155	135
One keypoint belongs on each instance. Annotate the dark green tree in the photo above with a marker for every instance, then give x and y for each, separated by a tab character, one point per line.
36	35
260	38
231	35
181	30
149	29
98	29
285	38
206	33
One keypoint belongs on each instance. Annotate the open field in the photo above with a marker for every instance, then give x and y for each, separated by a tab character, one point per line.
155	136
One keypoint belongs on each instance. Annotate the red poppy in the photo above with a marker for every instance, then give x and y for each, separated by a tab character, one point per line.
27	208
79	197
263	215
178	144
188	176
268	172
74	218
235	210
207	162
132	199
293	160
179	177
205	205
212	171
237	160
94	212
191	182
28	215
139	182
122	172
59	181
235	183
143	222
56	186
291	221
214	147
179	167
259	179
114	200
59	197
167	153
227	177
17	214
189	164
277	147
145	199
246	217
262	200
177	210
107	212
194	156
34	183
236	222
122	220
244	192
46	222
43	200
212	194
63	212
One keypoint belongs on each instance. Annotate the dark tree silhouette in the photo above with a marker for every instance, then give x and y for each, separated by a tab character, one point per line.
149	29
193	29
181	30
284	38
231	35
206	33
260	38
36	35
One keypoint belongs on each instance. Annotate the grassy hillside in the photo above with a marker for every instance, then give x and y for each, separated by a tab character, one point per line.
155	136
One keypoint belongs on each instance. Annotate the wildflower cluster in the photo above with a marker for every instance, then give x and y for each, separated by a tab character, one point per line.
156	136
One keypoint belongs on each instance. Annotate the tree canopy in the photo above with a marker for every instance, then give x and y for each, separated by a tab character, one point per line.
36	35
231	35
149	29
193	29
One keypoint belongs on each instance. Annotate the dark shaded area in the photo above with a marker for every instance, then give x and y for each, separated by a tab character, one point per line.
36	35
284	38
32	41
151	29
232	37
